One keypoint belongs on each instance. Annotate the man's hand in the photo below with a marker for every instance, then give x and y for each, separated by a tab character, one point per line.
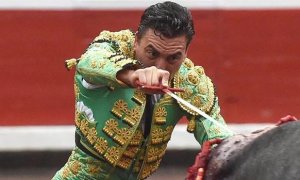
150	76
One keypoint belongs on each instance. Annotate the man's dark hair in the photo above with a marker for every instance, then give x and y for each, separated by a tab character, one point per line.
168	19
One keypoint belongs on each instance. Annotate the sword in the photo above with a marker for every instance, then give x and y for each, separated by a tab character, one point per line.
199	111
168	90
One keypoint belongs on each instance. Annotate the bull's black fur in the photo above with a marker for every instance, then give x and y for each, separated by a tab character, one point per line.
274	155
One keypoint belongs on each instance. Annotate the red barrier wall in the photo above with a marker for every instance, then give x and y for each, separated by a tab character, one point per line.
252	56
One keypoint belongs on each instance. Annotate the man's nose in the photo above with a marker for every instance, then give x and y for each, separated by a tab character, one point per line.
161	63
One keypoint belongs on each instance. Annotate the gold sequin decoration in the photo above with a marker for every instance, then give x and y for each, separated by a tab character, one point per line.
92	135
110	127
188	63
155	153
197	101
122	136
199	70
191	125
74	167
119	108
187	93
193	78
65	173
84	127
160	115
139	97
112	155
125	40
199	90
101	64
133	116
131	151
77	119
149	168
101	145
124	162
93	64
76	91
93	169
157	135
168	133
136	139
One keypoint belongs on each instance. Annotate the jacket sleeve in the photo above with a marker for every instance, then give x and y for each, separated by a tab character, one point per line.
204	129
105	57
199	91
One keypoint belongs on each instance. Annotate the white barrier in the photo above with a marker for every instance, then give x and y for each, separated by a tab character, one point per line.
55	138
142	4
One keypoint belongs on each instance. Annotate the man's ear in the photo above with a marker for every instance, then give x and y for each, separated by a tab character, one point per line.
136	40
186	50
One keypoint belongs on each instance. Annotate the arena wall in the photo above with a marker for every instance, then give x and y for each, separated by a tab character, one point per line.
250	49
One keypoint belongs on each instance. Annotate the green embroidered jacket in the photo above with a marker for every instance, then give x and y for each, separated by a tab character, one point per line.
108	114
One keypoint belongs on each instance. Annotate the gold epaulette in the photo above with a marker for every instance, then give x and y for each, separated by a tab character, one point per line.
124	40
70	63
198	88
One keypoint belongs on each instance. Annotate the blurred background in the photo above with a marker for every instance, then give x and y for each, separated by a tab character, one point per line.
250	49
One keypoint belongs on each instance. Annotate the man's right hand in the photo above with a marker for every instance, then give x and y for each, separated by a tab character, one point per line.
150	76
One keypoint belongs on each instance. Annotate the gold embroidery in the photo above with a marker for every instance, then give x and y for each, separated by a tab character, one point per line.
146	171
112	155
101	64
188	63
76	91
101	145
93	64
111	127
168	133
149	168
84	127
199	89
160	115
197	101
187	93
156	153
139	97
122	136
152	154
124	162
77	119
157	135
133	116
93	169
199	70
92	135
193	78
119	107
131	151
65	173
124	39
74	167
191	125
136	139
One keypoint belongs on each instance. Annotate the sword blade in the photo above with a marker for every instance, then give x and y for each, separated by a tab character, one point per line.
200	112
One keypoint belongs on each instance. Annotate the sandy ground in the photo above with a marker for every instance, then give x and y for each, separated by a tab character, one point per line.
43	165
174	173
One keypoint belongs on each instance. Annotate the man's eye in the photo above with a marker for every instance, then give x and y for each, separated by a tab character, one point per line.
152	54
174	58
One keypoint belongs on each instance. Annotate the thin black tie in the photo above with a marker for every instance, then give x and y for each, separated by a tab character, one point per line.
148	115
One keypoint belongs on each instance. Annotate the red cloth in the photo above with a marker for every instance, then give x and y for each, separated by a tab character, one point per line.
196	171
